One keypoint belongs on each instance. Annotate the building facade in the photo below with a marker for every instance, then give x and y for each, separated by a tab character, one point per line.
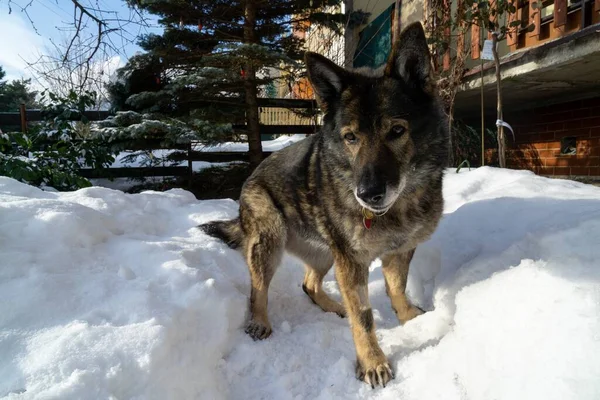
550	77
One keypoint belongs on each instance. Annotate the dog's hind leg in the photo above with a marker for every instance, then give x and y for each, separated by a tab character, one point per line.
265	233
395	272
313	287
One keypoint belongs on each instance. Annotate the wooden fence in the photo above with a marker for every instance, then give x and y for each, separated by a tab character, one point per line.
277	122
284	116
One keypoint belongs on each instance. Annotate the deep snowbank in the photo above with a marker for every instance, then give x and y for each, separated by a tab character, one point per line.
110	295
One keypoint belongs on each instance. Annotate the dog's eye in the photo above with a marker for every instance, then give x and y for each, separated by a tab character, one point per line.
350	138
397	131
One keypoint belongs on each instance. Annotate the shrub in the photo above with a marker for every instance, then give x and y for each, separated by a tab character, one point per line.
52	152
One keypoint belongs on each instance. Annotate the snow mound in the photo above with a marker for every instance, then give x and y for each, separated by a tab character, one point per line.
112	295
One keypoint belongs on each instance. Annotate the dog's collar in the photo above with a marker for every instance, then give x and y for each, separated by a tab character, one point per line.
369	215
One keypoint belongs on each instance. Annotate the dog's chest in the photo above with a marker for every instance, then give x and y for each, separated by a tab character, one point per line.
378	239
387	234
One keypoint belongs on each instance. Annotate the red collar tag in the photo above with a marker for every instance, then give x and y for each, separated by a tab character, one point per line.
367	218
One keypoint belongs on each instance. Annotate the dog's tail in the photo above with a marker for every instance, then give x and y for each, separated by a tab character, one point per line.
229	232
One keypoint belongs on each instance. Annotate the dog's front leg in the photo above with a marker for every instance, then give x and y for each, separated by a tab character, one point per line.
395	272
371	364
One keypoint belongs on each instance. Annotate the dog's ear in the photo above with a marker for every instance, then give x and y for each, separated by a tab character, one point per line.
410	59
328	79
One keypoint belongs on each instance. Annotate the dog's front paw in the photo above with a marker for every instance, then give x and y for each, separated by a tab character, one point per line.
409	313
375	371
258	330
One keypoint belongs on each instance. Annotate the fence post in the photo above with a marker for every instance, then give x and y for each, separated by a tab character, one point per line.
23	113
190	165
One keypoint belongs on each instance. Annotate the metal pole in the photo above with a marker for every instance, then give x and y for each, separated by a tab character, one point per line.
482	109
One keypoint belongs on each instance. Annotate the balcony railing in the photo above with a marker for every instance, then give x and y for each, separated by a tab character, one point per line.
551	19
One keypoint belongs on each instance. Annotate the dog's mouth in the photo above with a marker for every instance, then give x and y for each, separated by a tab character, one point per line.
380	210
390	198
376	210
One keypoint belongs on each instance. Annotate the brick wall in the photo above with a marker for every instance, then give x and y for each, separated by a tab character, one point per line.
539	133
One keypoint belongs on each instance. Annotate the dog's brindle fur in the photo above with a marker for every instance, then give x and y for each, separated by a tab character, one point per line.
388	129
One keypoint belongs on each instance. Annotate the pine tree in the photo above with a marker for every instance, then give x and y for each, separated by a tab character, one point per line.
216	56
136	78
15	93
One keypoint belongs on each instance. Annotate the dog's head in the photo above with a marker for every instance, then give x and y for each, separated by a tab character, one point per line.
381	121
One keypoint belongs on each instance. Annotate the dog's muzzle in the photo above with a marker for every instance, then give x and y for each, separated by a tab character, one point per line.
372	195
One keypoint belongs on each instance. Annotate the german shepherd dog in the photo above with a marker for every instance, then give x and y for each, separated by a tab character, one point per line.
368	185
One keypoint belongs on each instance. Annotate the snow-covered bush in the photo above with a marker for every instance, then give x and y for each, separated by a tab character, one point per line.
129	125
52	153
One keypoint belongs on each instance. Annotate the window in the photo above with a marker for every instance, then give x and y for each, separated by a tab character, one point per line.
375	41
568	146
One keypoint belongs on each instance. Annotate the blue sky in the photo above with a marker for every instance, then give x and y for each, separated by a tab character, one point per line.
19	41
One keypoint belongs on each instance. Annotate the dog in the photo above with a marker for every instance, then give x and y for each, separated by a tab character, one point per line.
367	186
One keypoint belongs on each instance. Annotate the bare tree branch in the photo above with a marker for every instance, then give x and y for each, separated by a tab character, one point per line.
25	10
105	23
60	74
74	37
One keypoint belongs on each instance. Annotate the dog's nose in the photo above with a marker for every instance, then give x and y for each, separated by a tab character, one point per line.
371	194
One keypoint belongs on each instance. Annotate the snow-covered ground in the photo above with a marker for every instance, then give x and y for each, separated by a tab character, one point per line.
112	295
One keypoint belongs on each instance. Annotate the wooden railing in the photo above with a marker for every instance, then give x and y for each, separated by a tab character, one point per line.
276	122
273	112
285	116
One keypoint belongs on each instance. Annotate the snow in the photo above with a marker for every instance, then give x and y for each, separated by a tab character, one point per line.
113	295
141	159
267	145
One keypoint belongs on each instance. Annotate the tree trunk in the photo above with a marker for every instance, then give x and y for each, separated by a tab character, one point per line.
252	116
451	132
501	141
